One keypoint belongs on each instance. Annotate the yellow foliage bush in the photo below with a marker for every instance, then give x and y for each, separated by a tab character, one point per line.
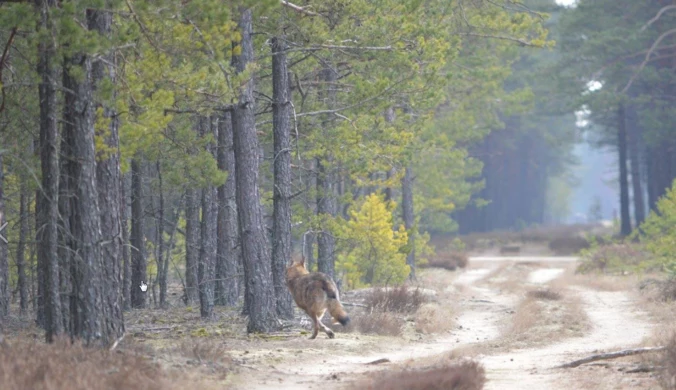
376	253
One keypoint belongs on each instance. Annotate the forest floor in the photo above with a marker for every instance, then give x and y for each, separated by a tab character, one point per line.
520	317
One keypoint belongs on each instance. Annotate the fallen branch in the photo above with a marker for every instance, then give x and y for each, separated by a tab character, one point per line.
610	355
117	342
160	328
379	361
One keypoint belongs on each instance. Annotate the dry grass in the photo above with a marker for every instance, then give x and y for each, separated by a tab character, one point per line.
63	365
614	258
380	323
400	299
450	261
568	245
432	318
668	363
468	375
668	290
204	352
545	294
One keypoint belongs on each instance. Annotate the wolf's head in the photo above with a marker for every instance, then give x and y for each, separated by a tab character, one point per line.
296	269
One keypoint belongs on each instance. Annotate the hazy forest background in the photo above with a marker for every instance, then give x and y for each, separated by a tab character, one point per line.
207	143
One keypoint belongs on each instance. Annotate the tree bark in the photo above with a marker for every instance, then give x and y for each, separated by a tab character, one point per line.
227	278
408	216
4	261
49	161
254	238
625	226
126	255
192	246
108	175
137	239
162	262
24	231
209	235
67	245
634	141
281	128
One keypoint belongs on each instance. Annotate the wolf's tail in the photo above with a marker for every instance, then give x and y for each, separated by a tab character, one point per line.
336	309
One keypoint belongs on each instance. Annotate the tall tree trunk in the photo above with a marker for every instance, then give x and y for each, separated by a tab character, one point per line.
192	245
228	259
633	146
67	246
254	238
126	255
209	236
390	117
137	241
159	224
48	218
24	231
311	204
281	128
408	216
108	175
4	261
625	219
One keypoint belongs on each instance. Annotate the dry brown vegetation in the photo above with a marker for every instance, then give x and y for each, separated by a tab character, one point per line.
432	318
402	299
668	363
64	365
544	294
568	245
468	375
613	258
450	261
382	323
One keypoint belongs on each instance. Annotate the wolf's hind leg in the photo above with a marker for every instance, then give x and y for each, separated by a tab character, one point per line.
315	327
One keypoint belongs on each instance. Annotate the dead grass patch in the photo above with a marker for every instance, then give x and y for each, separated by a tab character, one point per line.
63	365
545	294
568	245
400	299
668	363
381	323
468	375
450	261
432	318
614	258
204	351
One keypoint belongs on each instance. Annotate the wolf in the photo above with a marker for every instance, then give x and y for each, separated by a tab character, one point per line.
315	293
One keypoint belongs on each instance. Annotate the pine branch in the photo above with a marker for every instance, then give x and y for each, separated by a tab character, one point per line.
298	9
647	58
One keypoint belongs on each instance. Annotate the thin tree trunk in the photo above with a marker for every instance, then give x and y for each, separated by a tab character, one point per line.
390	117
108	187
255	245
4	261
311	204
24	231
209	235
281	128
126	255
67	246
408	216
634	141
159	223
625	219
137	241
192	246
228	256
48	218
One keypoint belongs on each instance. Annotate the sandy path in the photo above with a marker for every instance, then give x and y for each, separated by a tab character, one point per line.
615	323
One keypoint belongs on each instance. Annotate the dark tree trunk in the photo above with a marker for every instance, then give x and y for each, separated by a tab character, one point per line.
126	255
67	245
634	147
254	238
228	259
98	316
137	241
209	235
162	263
49	209
281	128
24	232
311	203
108	187
625	226
4	261
390	116
408	216
192	245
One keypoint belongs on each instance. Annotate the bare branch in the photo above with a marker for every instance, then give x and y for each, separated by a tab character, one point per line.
3	60
647	58
610	355
658	16
299	9
501	37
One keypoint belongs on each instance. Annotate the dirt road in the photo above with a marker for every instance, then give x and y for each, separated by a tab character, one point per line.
485	297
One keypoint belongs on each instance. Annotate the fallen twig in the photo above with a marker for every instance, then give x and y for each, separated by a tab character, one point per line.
160	328
117	342
379	361
610	355
354	304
